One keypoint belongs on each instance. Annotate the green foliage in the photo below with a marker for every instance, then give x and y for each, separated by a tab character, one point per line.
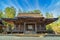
49	15
10	12
30	12
8	24
5	23
1	14
49	28
36	11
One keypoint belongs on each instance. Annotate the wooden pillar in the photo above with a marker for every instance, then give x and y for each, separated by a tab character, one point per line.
24	26
14	28
19	28
45	27
35	27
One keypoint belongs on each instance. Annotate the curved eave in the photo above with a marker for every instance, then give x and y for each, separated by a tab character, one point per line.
9	19
50	20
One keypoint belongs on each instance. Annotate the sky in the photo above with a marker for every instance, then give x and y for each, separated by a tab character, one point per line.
51	6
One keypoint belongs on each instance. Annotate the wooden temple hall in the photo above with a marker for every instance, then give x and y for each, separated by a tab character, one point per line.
29	23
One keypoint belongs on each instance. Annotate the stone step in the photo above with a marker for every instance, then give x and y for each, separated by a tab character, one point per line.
30	32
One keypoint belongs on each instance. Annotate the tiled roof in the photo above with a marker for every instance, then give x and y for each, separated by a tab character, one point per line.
29	15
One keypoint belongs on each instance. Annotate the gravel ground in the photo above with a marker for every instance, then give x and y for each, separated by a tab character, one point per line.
29	38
